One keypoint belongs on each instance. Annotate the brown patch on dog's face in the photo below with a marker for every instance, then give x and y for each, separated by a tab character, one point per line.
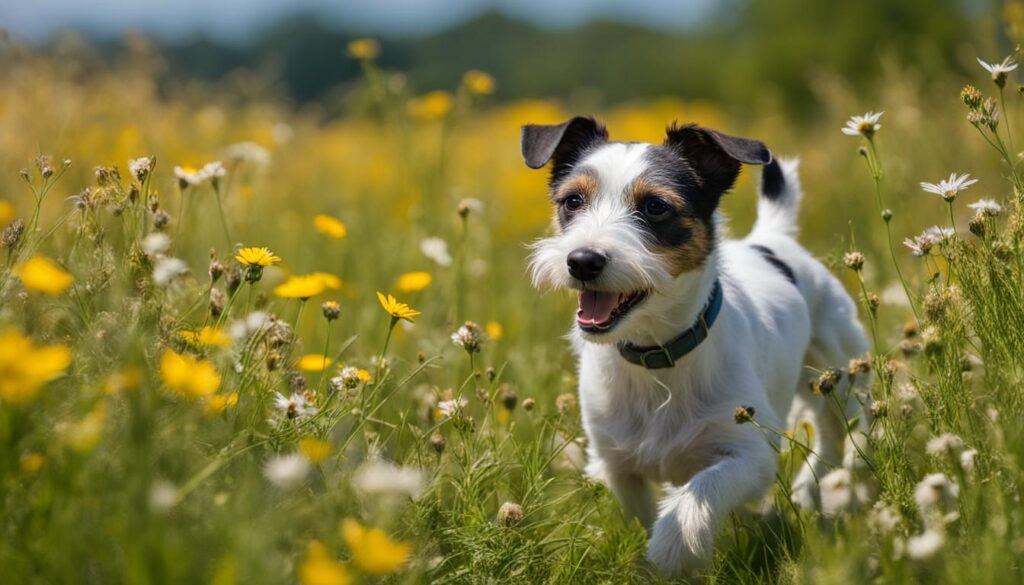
573	195
681	235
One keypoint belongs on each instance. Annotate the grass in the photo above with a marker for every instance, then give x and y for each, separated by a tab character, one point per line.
131	452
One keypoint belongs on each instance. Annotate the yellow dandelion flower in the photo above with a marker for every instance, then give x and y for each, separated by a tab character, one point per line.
320	568
41	274
494	330
396	309
364	376
316	450
215	404
207	336
32	462
125	380
478	82
187	376
25	367
330	226
432	106
306	286
413	281
256	257
372	549
330	281
7	212
313	362
364	49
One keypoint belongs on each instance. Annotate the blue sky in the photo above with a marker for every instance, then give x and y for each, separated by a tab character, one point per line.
234	19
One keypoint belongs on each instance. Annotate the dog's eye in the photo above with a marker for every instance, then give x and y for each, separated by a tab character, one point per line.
656	206
572	202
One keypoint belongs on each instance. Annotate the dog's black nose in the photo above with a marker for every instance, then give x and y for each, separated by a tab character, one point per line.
586	264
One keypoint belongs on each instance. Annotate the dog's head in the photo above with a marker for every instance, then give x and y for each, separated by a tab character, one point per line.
630	218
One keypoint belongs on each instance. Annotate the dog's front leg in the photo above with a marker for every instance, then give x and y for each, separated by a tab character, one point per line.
683	538
634	496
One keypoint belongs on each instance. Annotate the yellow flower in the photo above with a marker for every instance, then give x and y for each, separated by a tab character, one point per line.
7	212
207	336
306	286
313	362
364	376
478	82
330	226
494	330
320	568
25	368
413	281
432	106
127	379
188	376
256	257
215	404
316	450
41	274
372	549
32	462
364	49
396	309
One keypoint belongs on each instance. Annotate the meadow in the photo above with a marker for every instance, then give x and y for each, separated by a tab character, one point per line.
244	342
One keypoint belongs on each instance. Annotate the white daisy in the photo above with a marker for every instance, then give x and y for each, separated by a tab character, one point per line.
141	167
939	233
436	249
188	175
213	171
167	269
383	477
286	471
987	207
999	70
449	407
865	125
294	407
920	245
949	188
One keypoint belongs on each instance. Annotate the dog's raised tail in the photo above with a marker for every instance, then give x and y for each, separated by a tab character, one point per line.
779	200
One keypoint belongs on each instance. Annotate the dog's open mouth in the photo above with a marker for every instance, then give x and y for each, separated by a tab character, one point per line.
601	310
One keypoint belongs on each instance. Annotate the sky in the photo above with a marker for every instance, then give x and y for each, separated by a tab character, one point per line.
230	20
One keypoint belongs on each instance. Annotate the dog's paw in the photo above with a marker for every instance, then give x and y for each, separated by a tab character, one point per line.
675	554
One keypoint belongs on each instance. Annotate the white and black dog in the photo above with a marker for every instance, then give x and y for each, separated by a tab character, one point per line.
677	326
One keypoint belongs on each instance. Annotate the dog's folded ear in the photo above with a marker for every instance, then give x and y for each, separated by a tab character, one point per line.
560	143
714	156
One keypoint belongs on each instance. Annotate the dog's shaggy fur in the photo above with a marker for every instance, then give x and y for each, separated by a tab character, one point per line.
637	226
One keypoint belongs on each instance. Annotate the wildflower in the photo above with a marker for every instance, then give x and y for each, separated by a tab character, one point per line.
216	303
31	462
216	269
865	125
364	49
413	281
383	477
372	549
936	496
294	407
11	235
971	97
884	518
161	219
920	245
528	404
987	207
316	450
989	113
286	471
167	269
313	362
858	366
836	491
188	175
943	444
967	458
41	274
509	398
331	310
430	107
438	443
305	286
879	409
977	225
478	82
248	152
743	414
436	249
469	337
253	256
330	226
217	403
949	188
26	367
347	379
469	205
207	336
156	243
510	514
854	260
565	402
141	167
163	495
827	381
188	376
925	545
396	309
320	568
999	70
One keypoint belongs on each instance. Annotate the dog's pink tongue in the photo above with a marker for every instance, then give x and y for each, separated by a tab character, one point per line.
596	306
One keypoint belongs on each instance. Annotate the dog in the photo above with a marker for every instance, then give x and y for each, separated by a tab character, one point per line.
678	326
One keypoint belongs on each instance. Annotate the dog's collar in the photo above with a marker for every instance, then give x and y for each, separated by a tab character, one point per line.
656	357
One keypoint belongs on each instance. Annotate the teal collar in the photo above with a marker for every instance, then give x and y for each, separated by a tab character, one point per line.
656	357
